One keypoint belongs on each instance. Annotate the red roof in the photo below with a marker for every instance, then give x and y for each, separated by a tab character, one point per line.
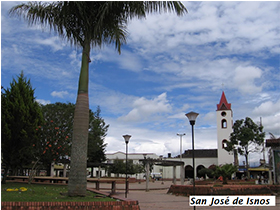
223	105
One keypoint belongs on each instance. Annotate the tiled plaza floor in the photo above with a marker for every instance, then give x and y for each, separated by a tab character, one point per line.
158	199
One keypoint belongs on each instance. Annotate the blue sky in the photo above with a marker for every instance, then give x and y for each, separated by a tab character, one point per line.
170	66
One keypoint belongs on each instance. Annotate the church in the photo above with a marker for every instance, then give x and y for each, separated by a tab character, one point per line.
204	158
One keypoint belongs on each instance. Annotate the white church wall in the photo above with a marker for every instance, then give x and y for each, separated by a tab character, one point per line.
168	171
223	133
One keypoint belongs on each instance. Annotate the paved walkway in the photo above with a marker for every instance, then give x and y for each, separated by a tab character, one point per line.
158	199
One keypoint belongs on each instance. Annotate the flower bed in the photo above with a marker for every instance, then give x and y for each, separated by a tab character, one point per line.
18	201
230	182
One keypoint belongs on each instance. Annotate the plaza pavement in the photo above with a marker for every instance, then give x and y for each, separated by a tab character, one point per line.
158	199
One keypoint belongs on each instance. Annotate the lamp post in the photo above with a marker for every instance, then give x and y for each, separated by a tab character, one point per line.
192	117
126	138
181	144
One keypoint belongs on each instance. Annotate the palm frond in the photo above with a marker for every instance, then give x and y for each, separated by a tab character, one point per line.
165	6
95	21
272	136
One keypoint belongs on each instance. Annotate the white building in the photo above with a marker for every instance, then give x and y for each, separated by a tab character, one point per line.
204	158
130	156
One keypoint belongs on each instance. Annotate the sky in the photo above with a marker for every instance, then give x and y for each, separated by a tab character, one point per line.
170	66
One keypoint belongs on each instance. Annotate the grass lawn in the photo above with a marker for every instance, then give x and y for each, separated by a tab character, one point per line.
40	192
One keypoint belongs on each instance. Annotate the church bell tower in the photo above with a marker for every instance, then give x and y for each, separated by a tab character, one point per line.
224	129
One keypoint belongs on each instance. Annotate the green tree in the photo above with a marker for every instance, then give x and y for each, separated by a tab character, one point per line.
97	133
138	169
20	117
225	171
131	167
245	136
55	133
119	167
88	24
206	171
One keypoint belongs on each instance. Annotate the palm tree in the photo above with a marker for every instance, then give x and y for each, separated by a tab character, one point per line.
225	171
272	136
88	24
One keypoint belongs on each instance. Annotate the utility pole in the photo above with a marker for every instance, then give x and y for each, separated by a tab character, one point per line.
181	144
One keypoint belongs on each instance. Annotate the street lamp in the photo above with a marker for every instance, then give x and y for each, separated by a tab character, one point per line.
181	144
126	138
192	117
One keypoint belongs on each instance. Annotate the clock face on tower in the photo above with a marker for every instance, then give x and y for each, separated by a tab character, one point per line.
223	114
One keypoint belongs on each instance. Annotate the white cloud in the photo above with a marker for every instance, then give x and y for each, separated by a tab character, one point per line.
113	101
180	115
43	101
272	124
54	42
209	22
200	48
270	113
142	140
145	108
150	147
16	49
268	108
60	94
75	59
210	118
126	60
244	79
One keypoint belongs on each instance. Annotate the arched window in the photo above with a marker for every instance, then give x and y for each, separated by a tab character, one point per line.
224	123
224	143
188	171
198	168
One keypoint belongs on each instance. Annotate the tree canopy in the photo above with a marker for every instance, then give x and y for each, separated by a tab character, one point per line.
119	167
20	117
55	133
225	171
245	137
97	133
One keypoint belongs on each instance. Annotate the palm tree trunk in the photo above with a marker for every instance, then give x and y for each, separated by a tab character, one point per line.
78	178
224	180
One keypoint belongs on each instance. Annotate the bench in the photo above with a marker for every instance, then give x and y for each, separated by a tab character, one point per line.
65	180
112	181
39	178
